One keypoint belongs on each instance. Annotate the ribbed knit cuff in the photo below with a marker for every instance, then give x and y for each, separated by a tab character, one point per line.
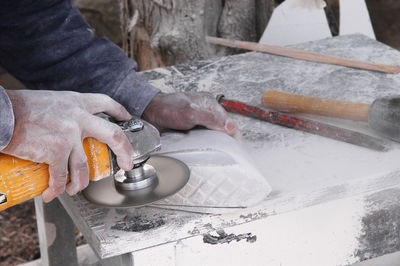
135	94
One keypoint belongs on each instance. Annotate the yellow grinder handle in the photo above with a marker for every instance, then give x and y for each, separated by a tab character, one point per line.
288	102
21	180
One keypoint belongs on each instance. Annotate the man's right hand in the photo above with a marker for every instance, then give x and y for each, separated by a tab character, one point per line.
50	127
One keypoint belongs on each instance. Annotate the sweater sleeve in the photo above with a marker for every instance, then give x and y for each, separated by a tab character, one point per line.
49	46
6	119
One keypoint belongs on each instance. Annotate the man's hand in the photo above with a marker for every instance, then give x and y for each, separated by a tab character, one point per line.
184	110
50	127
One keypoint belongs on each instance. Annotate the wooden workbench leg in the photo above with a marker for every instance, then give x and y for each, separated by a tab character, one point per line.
56	234
121	260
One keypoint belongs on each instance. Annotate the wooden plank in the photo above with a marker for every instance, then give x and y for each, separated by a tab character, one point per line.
339	232
303	55
120	260
56	234
303	170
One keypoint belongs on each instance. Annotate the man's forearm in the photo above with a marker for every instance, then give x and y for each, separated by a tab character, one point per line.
48	46
6	119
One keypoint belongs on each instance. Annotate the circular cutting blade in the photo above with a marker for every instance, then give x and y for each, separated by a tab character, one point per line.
172	176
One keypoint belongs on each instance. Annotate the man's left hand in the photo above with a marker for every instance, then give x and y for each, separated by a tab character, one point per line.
185	110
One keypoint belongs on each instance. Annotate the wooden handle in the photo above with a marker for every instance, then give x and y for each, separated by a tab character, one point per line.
288	102
304	55
21	180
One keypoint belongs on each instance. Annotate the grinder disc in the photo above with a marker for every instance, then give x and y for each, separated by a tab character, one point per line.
172	175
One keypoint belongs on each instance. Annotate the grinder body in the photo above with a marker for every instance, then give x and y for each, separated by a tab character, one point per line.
21	180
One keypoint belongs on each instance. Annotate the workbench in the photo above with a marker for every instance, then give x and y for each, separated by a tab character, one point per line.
332	203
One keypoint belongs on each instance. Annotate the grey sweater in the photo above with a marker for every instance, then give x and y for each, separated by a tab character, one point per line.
47	45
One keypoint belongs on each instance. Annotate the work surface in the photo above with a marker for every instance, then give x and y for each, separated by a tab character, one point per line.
332	203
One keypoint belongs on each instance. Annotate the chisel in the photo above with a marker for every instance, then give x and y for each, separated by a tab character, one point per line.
305	125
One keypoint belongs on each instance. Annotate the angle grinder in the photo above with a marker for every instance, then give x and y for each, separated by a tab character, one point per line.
151	179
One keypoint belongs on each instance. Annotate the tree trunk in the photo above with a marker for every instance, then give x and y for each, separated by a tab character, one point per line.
167	32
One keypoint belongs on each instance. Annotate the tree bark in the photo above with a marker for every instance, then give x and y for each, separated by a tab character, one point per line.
167	32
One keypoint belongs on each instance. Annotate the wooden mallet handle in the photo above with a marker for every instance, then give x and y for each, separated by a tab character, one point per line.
294	103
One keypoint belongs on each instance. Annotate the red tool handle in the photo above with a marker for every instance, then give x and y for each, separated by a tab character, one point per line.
309	126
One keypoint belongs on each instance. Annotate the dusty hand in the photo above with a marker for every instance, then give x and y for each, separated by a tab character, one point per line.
50	127
184	110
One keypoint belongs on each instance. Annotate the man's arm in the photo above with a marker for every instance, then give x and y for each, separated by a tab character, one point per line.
48	46
49	127
6	119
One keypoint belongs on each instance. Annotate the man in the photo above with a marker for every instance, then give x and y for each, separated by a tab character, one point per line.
50	48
